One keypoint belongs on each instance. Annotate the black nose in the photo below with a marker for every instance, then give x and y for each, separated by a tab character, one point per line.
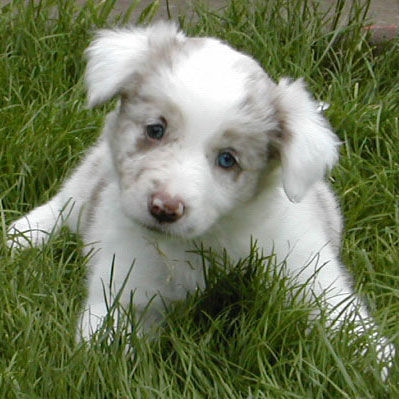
166	209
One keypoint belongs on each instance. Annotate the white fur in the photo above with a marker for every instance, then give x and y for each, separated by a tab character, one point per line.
213	99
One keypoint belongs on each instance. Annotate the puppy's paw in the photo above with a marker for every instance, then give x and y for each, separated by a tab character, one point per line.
34	229
24	233
91	321
386	352
322	106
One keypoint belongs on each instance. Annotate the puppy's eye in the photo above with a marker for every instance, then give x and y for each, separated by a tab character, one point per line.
155	131
226	160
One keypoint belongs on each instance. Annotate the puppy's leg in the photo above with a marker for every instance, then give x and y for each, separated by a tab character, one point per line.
35	228
66	207
124	271
148	312
332	283
111	293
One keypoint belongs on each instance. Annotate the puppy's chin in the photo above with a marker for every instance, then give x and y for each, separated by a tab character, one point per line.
181	229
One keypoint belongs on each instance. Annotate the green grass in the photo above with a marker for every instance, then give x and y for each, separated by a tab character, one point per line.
244	337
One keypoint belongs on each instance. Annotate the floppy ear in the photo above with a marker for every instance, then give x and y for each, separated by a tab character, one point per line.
308	146
115	55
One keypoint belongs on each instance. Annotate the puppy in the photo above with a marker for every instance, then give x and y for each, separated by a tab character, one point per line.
202	146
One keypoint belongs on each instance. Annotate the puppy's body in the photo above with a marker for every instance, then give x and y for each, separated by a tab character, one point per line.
203	147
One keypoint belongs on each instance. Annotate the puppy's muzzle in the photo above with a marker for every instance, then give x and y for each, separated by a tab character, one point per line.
166	209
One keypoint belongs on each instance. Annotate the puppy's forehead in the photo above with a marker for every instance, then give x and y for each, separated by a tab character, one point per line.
212	69
207	73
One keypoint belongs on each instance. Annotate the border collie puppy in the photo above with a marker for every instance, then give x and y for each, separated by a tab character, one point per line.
203	146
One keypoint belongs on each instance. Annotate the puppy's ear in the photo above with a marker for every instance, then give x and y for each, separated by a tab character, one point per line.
115	56
308	147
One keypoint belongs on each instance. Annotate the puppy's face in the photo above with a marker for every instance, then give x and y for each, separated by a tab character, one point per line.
196	126
192	138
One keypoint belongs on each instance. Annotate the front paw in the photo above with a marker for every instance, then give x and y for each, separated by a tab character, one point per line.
384	351
35	228
25	234
385	355
91	321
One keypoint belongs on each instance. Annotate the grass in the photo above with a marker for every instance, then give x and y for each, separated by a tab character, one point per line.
244	336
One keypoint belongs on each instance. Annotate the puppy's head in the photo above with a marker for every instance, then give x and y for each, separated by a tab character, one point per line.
199	125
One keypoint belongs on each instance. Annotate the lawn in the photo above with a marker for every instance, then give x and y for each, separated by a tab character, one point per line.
244	336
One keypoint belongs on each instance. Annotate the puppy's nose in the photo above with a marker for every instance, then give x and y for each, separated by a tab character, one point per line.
166	209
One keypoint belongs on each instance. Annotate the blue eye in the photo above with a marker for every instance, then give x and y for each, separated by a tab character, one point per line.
155	131
226	160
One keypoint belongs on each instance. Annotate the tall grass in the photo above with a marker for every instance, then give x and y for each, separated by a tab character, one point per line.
244	336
